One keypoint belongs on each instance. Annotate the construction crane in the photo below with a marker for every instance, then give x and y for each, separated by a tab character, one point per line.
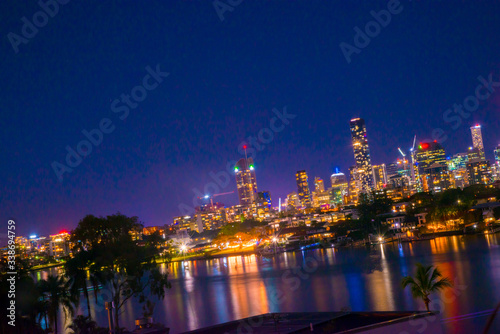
214	195
412	156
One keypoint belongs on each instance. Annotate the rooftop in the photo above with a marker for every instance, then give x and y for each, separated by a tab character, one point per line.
321	322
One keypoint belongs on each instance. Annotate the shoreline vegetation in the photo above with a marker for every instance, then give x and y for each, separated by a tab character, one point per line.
224	253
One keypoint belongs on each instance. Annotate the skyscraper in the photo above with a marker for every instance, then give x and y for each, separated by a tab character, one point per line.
339	188
319	185
264	199
246	181
429	154
477	139
361	154
379	176
496	152
303	189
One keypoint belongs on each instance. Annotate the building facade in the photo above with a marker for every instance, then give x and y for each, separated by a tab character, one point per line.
246	182
477	140
303	189
361	154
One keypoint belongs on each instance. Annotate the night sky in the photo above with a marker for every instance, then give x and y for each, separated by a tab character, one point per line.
225	78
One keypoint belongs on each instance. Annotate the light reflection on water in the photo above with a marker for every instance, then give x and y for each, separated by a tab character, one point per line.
208	292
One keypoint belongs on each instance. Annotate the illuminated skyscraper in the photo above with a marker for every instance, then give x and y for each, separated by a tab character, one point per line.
246	181
264	199
339	188
361	154
292	201
429	154
319	185
303	189
496	152
379	176
477	140
479	171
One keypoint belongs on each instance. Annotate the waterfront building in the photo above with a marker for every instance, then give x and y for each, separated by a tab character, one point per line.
361	154
183	223
59	245
246	182
303	189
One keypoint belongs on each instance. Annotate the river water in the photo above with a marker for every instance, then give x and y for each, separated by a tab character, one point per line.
208	292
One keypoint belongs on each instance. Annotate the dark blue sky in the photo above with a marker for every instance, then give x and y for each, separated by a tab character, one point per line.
225	78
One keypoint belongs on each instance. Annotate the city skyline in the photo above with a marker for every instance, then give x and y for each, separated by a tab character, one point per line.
147	122
245	174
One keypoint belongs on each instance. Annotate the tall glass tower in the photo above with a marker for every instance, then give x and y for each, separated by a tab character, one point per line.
477	140
246	181
303	189
361	154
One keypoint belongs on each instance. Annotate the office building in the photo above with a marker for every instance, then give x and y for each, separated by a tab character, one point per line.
292	201
361	154
303	189
319	185
246	182
478	171
379	176
429	154
477	140
264	199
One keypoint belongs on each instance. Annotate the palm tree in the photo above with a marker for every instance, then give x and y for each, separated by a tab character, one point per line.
426	282
56	290
76	272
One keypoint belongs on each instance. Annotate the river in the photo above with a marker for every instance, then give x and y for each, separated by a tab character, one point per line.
207	292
